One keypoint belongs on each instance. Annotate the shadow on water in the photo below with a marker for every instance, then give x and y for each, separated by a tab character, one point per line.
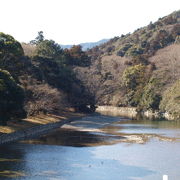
75	138
11	164
99	130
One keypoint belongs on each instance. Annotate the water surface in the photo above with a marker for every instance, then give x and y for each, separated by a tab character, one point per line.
97	148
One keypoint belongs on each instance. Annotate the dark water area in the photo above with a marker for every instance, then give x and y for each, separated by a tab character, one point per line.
97	148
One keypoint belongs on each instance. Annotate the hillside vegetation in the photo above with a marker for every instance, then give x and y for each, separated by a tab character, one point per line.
38	78
136	69
140	70
171	100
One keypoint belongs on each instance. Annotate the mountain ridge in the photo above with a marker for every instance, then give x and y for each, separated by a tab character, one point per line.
86	45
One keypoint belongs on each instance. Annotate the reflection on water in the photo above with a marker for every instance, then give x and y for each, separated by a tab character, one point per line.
99	148
106	130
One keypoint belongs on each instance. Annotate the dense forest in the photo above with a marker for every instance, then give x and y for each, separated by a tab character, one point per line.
38	78
140	70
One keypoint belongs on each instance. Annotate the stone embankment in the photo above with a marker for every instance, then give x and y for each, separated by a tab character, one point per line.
131	112
32	132
117	111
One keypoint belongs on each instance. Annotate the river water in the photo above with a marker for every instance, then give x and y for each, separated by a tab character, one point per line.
97	147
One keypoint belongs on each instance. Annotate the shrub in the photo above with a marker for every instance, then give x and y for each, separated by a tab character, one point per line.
133	76
123	50
140	59
171	100
134	51
150	98
42	98
134	80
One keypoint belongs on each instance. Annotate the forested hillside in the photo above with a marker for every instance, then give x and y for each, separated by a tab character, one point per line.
38	78
138	69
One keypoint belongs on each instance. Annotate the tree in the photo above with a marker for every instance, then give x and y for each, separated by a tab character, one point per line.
49	49
171	100
76	56
38	39
151	98
9	46
42	98
11	53
11	98
133	76
134	81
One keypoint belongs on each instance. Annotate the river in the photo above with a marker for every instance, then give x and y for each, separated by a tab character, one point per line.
97	147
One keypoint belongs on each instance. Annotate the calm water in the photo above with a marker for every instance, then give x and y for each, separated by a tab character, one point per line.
97	148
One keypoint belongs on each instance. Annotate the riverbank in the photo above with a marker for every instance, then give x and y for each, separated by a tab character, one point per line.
117	111
131	112
34	126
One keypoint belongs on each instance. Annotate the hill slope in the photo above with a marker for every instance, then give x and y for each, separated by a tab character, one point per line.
135	69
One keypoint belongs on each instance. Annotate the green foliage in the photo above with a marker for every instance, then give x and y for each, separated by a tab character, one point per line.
133	76
9	46
73	56
11	97
150	98
38	39
49	49
135	50
54	73
51	65
133	80
171	100
123	50
163	38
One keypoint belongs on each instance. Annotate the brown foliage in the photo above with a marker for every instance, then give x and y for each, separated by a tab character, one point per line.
42	98
29	49
167	62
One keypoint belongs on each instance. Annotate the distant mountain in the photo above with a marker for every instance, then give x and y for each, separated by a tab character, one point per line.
87	45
